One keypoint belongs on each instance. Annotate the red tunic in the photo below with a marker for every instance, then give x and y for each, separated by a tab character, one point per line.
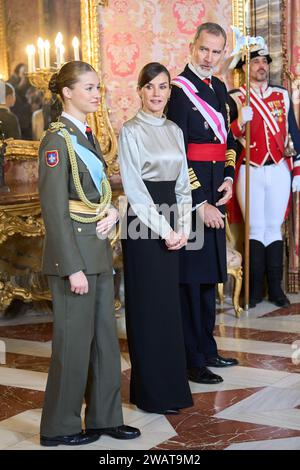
264	146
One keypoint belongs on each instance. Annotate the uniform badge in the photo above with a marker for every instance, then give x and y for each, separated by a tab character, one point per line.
52	158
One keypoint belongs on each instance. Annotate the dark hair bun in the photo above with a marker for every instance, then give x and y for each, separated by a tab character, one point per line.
53	83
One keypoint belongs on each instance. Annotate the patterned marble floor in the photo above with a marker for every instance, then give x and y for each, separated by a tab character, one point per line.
256	407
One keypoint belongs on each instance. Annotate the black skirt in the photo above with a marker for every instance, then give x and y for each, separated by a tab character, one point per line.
153	319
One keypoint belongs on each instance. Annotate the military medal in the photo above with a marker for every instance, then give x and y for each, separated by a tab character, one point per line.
277	110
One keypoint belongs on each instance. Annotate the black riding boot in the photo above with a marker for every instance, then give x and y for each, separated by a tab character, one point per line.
274	253
256	272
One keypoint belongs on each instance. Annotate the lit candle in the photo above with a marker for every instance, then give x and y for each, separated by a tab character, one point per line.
62	54
75	44
58	45
47	54
30	50
2	90
247	15
41	53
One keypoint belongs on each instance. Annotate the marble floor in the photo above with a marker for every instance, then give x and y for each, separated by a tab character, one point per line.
256	407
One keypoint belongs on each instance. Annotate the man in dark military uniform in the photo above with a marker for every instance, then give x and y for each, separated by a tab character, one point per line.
85	361
199	105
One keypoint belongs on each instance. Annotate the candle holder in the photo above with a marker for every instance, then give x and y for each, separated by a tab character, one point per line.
39	77
40	80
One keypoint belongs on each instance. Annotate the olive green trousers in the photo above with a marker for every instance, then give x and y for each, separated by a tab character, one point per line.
85	362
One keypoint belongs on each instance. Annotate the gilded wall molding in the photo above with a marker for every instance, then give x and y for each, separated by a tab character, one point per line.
100	121
238	20
286	72
238	15
3	49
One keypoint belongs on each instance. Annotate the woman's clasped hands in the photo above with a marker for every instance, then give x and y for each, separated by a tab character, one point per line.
175	241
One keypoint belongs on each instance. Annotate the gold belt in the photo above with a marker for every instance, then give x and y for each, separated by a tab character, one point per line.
78	207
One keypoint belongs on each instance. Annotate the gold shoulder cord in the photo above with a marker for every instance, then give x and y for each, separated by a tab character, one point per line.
105	200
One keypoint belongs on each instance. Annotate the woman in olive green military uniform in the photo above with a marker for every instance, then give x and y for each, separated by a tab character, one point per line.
75	199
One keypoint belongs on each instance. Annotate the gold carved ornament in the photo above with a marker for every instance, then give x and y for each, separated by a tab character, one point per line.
28	226
99	121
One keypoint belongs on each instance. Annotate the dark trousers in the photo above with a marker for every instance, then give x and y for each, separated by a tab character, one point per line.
198	308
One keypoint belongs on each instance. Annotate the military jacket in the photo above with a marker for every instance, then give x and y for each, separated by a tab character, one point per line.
263	145
69	246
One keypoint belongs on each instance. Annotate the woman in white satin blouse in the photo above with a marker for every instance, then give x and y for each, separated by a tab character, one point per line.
155	180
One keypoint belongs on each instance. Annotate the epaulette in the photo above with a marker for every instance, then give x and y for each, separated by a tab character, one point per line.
53	127
56	126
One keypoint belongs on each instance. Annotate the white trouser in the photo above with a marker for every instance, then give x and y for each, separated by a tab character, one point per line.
270	187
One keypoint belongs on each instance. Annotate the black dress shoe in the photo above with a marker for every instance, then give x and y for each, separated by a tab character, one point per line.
74	440
282	301
254	302
219	361
119	432
203	375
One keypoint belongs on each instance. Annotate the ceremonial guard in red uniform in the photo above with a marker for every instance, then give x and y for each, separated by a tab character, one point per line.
272	120
199	105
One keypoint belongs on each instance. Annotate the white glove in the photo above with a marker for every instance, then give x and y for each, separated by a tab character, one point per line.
296	183
245	115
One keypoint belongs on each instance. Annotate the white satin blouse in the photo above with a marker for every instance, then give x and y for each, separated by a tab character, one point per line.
152	148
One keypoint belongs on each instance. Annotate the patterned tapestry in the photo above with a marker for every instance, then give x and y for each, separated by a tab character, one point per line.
135	32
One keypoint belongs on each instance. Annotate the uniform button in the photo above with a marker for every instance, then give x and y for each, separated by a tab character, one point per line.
215	138
214	162
56	264
79	229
